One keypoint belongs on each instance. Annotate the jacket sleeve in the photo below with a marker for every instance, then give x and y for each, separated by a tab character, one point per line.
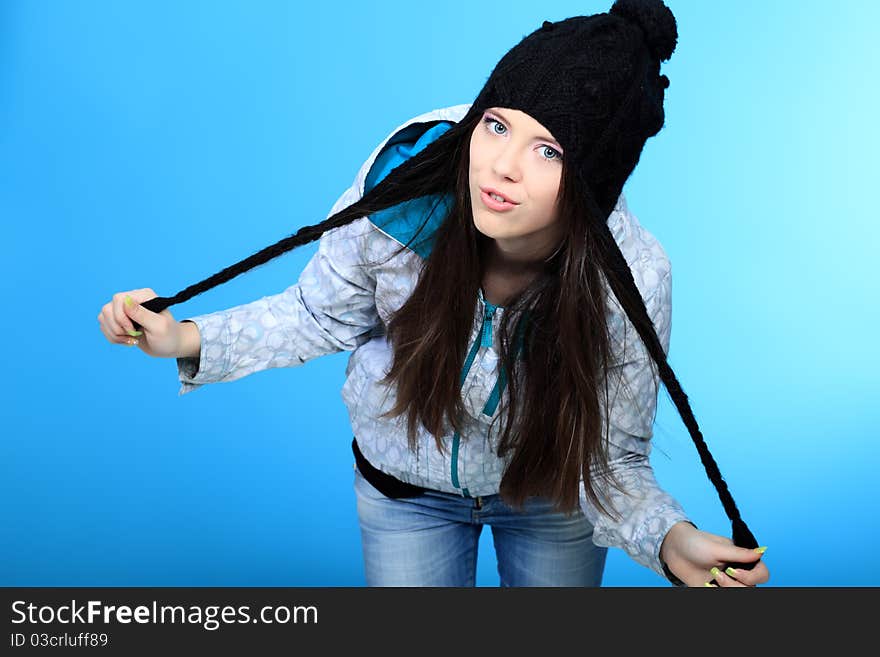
647	512
331	308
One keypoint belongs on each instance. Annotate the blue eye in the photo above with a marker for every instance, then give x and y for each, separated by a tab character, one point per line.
489	121
554	151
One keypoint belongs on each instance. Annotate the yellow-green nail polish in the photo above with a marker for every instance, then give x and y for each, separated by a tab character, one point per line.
715	571
709	585
134	334
128	301
730	571
761	550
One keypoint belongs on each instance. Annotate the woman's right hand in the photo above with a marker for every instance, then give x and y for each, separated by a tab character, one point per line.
160	334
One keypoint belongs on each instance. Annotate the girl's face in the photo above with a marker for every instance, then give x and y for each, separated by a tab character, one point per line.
516	156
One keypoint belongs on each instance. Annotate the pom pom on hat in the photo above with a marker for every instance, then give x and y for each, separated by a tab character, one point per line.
656	21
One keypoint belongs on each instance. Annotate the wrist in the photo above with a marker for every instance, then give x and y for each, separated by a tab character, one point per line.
668	548
672	536
190	340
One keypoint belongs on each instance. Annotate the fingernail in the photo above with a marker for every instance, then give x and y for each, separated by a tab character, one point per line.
715	572
761	550
730	571
710	585
134	334
128	301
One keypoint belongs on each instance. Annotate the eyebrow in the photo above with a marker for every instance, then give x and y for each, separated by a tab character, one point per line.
542	137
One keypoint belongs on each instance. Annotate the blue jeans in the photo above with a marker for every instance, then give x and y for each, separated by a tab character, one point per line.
432	539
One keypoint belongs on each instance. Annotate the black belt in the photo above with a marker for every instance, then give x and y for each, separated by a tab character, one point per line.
382	481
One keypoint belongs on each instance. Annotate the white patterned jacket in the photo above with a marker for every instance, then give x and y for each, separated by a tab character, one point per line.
337	305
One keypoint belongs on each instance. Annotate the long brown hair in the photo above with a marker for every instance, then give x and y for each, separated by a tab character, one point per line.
551	420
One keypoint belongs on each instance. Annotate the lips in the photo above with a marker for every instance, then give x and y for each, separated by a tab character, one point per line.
491	190
496	206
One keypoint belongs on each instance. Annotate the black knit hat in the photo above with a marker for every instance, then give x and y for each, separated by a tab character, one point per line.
594	82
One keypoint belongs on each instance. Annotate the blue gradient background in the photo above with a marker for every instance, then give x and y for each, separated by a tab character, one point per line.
151	145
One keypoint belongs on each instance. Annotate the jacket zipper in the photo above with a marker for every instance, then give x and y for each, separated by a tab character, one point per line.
501	381
484	339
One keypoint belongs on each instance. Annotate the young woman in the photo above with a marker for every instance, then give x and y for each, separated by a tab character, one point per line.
508	317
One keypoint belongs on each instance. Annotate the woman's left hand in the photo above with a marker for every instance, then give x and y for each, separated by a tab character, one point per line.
697	557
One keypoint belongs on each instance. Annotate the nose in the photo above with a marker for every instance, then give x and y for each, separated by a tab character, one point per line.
506	163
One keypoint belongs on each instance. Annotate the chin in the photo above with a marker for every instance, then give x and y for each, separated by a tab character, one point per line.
492	225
